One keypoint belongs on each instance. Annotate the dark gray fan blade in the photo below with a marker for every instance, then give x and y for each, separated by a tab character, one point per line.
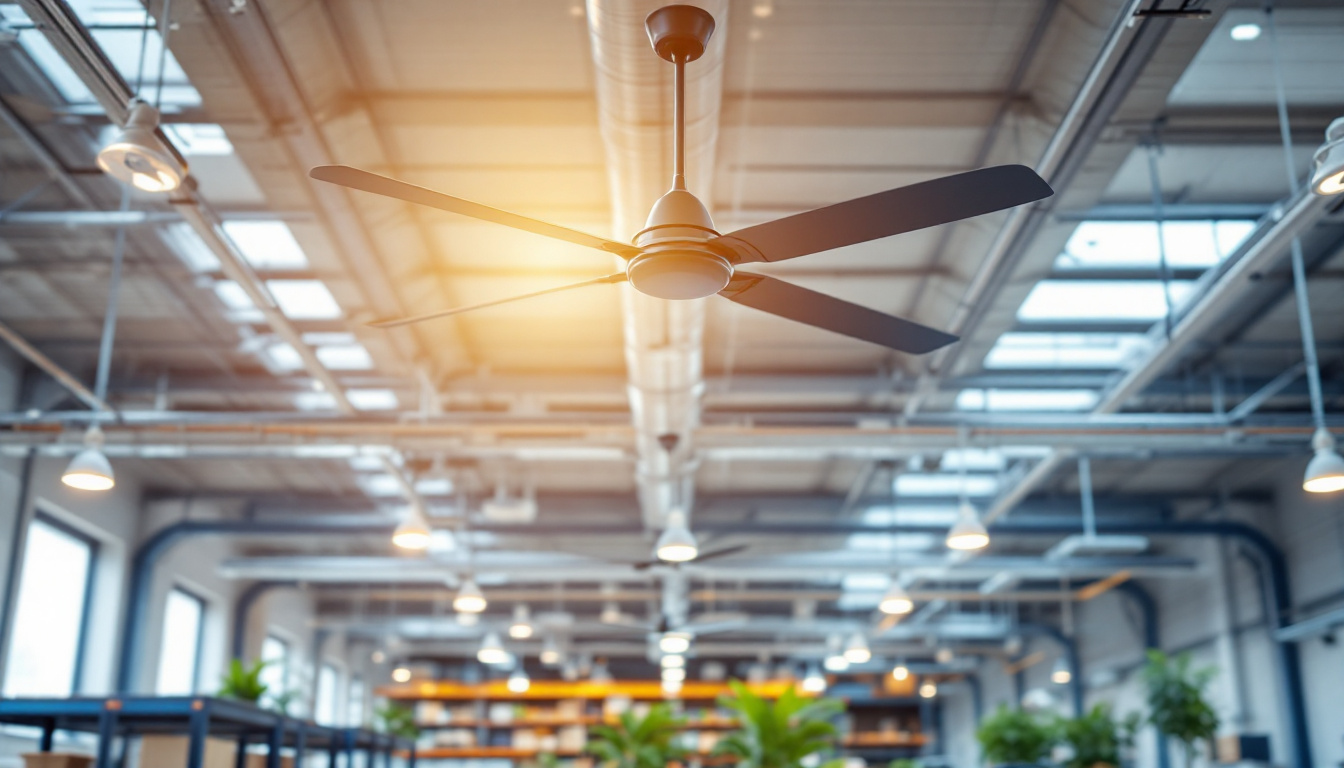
817	309
725	552
618	277
353	178
927	204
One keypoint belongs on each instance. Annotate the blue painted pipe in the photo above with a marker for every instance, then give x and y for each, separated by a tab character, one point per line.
242	611
148	554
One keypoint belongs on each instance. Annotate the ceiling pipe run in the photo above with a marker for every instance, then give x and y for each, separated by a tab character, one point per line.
663	339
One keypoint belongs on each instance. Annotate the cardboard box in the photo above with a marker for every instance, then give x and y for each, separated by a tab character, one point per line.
171	752
56	760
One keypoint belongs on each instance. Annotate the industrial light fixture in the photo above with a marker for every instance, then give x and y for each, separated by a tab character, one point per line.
402	674
677	543
90	469
856	650
928	689
1061	674
1325	471
672	687
814	681
674	642
492	650
900	672
1245	33
469	598
672	661
944	655
897	601
967	533
675	674
1328	178
550	652
135	156
519	682
378	656
413	531
835	660
611	613
521	628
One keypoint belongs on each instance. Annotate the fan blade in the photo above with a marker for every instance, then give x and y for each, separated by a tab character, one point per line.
354	178
905	209
819	310
725	552
396	322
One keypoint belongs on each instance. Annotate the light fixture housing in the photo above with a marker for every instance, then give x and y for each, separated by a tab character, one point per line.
967	533
928	689
519	682
676	674
492	650
1325	471
1244	33
90	470
402	674
412	533
137	157
900	672
896	602
1328	177
676	544
814	681
1061	674
835	662
521	628
469	598
856	650
550	652
672	661
672	687
674	642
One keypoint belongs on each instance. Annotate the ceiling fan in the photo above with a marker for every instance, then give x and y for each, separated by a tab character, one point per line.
680	255
644	565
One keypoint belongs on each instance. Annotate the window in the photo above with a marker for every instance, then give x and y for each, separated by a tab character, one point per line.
1067	350
372	399
49	616
275	652
945	484
266	244
1133	244
180	650
355	706
327	694
1026	399
304	299
1101	300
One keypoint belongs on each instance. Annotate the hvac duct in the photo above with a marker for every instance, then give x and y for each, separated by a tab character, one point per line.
663	339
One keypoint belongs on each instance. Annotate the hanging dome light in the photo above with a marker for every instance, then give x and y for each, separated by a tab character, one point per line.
674	673
521	628
674	642
814	681
469	598
1328	177
944	655
928	689
402	674
1061	674
550	652
137	157
677	543
672	687
897	601
900	672
90	469
856	650
519	682
611	613
672	661
413	531
835	660
492	650
1325	471
967	533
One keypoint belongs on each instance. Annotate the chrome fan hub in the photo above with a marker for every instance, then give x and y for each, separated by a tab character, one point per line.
679	270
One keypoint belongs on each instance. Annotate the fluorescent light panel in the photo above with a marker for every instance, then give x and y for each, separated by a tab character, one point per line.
945	484
1027	399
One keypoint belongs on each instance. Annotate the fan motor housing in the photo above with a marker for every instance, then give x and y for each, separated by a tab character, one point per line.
677	262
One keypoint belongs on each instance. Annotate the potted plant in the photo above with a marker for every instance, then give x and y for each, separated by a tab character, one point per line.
243	682
635	742
1176	703
1095	739
396	720
778	734
1014	737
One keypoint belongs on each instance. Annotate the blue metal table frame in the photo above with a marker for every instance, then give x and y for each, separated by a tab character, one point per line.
198	717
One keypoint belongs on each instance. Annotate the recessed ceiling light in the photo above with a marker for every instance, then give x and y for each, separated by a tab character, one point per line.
1245	32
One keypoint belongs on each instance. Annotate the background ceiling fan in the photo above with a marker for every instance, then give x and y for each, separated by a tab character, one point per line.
680	255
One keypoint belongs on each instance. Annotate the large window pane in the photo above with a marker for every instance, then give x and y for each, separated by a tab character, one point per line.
355	706
46	641
325	709
275	652
180	651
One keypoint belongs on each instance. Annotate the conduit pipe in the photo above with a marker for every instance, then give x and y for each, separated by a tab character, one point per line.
663	339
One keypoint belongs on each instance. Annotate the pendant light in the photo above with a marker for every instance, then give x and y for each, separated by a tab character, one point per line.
677	674
928	689
674	642
900	672
835	660
677	543
1060	674
412	533
672	661
896	602
672	687
492	650
856	650
550	652
814	681
519	682
137	157
1325	471
469	598
521	628
402	674
90	470
967	533
1328	178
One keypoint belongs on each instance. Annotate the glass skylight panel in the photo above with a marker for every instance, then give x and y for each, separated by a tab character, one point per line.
304	299
44	54
266	244
1101	300
240	306
380	485
434	486
199	139
945	484
1066	350
189	247
889	542
372	399
911	514
345	357
973	460
1121	244
113	24
282	358
1026	399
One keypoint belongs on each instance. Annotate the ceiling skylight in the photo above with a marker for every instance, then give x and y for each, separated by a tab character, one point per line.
1066	350
946	484
380	485
315	401
266	244
199	139
282	358
1121	244
304	299
372	399
189	247
1026	399
115	25
911	514
891	542
240	306
345	357
973	460
1100	300
434	486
